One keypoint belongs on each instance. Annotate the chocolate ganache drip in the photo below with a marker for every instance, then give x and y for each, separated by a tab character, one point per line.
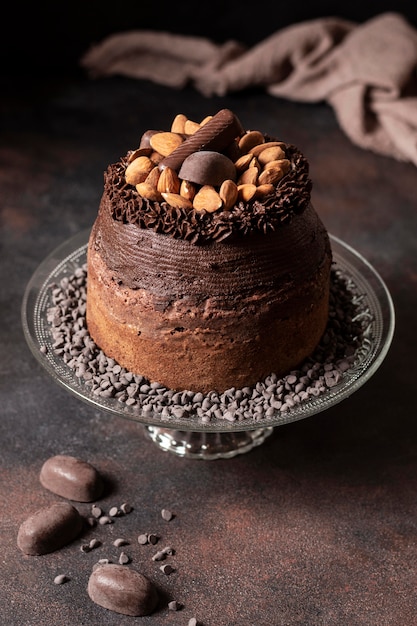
266	182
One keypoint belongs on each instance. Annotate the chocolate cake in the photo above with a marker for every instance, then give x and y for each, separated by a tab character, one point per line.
208	267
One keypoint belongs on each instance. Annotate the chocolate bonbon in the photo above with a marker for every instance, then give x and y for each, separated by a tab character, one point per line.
123	590
217	134
71	478
49	529
207	167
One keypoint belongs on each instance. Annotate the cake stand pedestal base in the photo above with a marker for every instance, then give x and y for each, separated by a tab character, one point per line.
207	445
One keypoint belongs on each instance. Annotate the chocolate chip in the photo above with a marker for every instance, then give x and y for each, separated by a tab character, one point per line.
120	542
60	579
124	558
174	605
167	515
96	511
126	508
122	590
71	478
85	548
114	511
49	529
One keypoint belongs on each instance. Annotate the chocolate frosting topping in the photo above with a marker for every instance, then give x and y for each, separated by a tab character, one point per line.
170	267
291	197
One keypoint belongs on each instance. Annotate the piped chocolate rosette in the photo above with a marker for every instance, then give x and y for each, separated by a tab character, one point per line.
206	181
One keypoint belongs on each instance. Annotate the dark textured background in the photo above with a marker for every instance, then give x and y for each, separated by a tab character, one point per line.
53	35
318	526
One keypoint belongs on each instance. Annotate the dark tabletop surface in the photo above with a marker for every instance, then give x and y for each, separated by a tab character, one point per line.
317	526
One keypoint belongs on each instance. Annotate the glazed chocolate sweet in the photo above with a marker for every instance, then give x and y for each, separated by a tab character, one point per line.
49	529
123	590
207	167
210	283
71	478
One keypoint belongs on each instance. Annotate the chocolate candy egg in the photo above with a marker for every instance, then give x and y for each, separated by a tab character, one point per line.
122	590
49	529
207	167
71	478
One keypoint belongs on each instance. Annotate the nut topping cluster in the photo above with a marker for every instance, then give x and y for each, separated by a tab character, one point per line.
206	166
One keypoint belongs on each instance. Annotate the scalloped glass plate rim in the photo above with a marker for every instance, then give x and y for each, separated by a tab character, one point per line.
72	254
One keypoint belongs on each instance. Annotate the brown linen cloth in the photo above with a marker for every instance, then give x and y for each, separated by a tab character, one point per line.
366	72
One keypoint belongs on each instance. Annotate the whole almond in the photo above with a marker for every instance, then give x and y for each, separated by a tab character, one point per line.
165	143
145	140
138	170
249	176
255	163
256	150
250	140
285	164
155	157
153	177
228	193
271	154
205	120
207	198
271	176
177	201
148	191
139	152
243	162
262	191
168	181
246	192
188	190
178	123
191	127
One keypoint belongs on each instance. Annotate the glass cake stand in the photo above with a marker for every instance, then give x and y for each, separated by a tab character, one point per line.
192	436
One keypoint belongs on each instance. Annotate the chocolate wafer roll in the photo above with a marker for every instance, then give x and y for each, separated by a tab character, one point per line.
216	135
